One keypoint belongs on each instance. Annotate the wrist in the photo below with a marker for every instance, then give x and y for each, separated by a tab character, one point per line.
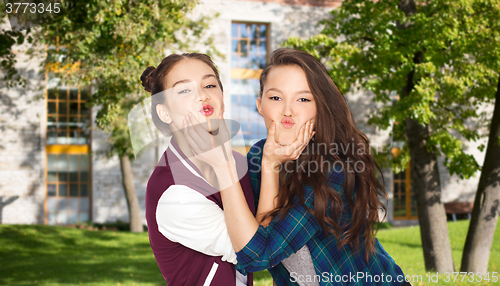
268	165
223	164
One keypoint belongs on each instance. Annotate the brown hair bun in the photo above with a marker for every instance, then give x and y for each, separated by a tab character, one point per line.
146	78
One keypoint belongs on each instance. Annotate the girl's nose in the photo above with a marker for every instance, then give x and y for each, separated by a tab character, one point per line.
202	95
287	110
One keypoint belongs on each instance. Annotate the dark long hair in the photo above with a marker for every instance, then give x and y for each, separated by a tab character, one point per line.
334	126
154	80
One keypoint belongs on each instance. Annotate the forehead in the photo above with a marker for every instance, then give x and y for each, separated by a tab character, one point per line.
188	69
291	76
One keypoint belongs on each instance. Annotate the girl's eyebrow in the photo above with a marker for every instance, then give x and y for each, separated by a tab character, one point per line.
181	81
208	75
303	91
187	80
273	89
298	92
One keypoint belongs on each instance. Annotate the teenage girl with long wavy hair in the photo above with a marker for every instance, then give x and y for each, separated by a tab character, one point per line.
184	211
315	183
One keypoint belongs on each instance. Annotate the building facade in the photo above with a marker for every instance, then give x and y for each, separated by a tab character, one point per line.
52	164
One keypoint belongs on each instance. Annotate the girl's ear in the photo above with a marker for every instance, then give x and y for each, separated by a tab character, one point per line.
259	106
163	114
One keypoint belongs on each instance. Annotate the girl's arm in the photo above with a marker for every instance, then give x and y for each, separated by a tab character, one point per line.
272	158
268	190
241	224
185	216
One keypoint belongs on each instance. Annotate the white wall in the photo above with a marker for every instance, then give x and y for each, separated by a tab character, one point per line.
22	143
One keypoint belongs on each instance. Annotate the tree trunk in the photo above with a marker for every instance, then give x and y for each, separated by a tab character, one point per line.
431	215
486	204
134	213
427	186
425	178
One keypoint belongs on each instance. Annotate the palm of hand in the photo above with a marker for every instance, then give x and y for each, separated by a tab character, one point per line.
277	153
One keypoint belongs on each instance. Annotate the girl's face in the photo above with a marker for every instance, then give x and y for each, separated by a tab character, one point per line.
287	101
192	87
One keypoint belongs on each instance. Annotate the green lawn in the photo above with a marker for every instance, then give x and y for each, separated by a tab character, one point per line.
45	255
404	245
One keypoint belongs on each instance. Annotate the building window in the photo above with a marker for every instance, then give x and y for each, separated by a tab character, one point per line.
249	55
68	188
404	202
67	171
67	116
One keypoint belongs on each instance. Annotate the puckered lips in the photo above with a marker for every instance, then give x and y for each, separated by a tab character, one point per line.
287	122
207	110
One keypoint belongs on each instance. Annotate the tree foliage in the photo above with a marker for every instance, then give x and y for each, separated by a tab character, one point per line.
431	66
371	45
108	44
9	39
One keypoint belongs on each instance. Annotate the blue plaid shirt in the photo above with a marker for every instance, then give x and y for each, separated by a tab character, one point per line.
334	266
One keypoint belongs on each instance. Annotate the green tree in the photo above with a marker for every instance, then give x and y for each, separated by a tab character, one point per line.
423	52
482	29
108	44
8	39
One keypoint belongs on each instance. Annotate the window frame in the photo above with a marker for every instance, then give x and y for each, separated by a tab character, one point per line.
239	73
67	149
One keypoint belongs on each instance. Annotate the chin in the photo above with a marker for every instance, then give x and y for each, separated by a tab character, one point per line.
285	138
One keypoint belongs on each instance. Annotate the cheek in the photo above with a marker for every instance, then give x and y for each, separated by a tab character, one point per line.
178	109
216	94
268	112
312	114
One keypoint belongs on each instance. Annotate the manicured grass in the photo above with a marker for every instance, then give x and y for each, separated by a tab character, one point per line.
404	245
45	255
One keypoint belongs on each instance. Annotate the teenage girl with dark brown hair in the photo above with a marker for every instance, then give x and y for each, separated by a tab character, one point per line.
184	209
318	200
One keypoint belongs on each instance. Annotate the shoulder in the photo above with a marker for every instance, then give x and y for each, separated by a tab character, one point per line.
256	149
159	181
161	177
254	156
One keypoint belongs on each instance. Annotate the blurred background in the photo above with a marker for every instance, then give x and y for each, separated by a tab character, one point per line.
420	77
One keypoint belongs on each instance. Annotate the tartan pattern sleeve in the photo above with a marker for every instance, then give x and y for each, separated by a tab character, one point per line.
270	245
282	237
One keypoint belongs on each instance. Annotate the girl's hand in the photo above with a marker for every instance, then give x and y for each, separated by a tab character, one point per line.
276	154
213	150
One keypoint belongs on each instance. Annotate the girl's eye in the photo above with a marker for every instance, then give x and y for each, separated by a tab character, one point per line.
184	91
210	86
274	98
304	100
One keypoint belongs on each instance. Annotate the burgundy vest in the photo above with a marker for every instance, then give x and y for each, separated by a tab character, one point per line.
179	265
